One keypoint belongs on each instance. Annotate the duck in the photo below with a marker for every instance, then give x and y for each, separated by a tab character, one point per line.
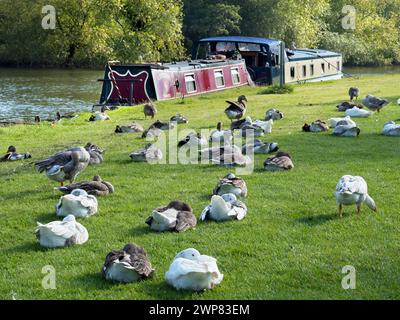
78	203
63	233
273	114
68	115
227	155
354	92
149	110
148	153
316	126
176	216
259	147
236	109
352	190
96	187
348	105
179	119
152	133
231	184
95	152
346	120
131	128
219	135
193	139
100	115
374	103
343	129
13	155
358	113
391	129
280	162
225	207
193	271
65	165
128	265
163	125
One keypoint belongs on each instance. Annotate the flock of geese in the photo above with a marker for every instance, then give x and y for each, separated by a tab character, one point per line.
189	269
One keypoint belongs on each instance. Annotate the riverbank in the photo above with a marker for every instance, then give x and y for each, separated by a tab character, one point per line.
291	245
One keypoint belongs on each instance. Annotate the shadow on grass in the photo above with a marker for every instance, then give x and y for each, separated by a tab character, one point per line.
164	291
94	280
25	247
142	230
318	219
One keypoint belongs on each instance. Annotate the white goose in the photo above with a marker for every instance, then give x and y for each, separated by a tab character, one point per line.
100	115
78	203
192	271
353	190
219	135
391	129
265	125
225	207
61	233
358	113
334	121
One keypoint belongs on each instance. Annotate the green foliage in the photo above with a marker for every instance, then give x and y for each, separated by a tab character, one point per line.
277	89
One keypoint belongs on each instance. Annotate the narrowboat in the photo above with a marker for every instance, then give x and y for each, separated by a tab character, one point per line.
218	63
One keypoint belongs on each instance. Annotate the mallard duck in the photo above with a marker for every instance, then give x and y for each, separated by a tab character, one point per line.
176	216
192	140
100	115
192	271
63	233
13	155
152	133
391	129
219	135
348	105
237	109
130	264
260	147
78	203
231	184
354	92
131	128
65	165
346	120
353	190
96	153
273	114
227	155
343	129
179	119
149	110
163	125
358	113
225	207
95	187
374	103
281	161
316	126
149	153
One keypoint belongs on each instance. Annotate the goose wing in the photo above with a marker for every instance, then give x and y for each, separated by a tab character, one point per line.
185	221
352	184
235	105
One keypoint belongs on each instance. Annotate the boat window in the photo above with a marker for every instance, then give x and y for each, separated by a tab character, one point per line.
311	70
219	78
322	67
338	66
190	83
249	47
304	71
235	75
225	47
292	72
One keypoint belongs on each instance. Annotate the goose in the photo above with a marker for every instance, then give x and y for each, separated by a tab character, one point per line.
353	190
250	130
358	113
354	92
219	135
265	125
348	105
398	101
260	147
130	264
68	115
343	129
63	233
237	109
152	133
374	103
192	271
13	155
179	119
391	129
65	165
96	187
346	120
231	184
148	153
225	207
149	110
52	120
192	140
100	115
273	114
236	125
281	161
131	128
176	216
163	125
316	126
78	203
95	152
227	155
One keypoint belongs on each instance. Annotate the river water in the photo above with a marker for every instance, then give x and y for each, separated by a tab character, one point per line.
25	93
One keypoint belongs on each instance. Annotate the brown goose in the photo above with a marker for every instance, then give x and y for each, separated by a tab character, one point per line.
131	128
96	153
149	110
316	126
354	92
236	109
231	184
96	187
281	161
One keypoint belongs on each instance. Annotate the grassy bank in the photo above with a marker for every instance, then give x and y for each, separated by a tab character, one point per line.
290	245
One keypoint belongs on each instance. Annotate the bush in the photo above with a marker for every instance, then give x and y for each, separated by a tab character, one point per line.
277	89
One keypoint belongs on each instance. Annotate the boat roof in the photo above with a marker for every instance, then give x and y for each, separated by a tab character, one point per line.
307	54
256	40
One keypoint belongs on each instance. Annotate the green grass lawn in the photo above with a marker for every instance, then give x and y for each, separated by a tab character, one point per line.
291	245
